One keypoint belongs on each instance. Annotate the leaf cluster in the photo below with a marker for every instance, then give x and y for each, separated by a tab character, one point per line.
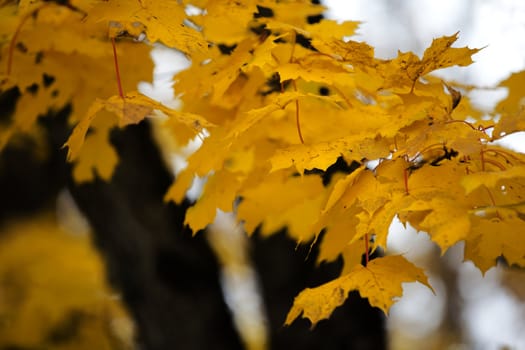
284	95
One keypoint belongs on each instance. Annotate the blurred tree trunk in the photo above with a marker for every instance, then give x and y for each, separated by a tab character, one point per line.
168	279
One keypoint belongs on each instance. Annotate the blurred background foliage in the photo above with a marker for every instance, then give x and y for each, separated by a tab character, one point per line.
53	290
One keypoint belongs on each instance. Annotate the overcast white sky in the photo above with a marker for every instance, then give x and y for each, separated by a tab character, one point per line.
410	25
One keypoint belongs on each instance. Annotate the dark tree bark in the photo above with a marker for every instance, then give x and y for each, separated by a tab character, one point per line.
30	182
168	278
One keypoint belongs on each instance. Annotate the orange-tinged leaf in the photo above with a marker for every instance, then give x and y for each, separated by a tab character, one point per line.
403	72
381	282
129	110
136	106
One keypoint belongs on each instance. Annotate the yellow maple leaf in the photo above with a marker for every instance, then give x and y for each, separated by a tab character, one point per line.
378	223
340	188
447	221
322	71
328	29
489	179
514	102
131	109
97	157
492	237
226	22
358	54
296	208
441	54
219	192
380	282
323	154
339	231
403	71
161	20
509	123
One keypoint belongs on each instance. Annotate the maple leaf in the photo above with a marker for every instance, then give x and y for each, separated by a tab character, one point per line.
380	281
97	157
358	54
340	230
219	193
323	71
226	22
340	187
509	123
279	102
446	220
297	210
131	109
407	68
323	154
161	21
513	103
489	179
441	54
492	237
328	29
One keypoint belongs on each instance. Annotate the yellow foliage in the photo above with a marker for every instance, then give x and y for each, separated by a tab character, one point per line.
281	100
